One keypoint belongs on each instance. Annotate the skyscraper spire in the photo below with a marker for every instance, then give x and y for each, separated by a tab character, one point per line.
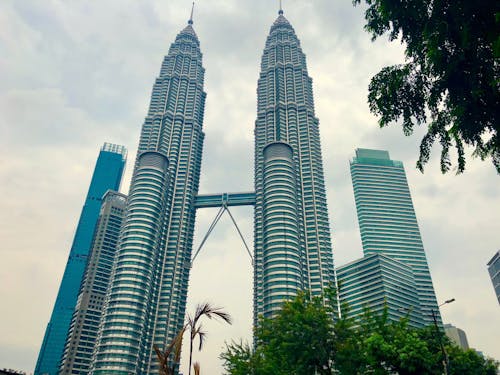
190	22
281	8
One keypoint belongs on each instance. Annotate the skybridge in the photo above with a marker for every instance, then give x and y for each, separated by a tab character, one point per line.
223	201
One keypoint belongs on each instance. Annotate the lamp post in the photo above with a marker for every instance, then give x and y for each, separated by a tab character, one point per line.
438	332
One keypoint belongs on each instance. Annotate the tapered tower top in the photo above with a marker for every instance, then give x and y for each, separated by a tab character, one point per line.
189	28
281	20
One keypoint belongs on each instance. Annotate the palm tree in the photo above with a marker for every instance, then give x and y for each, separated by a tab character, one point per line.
168	365
169	360
195	328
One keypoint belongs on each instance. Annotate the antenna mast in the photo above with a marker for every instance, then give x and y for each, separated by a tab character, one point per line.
191	18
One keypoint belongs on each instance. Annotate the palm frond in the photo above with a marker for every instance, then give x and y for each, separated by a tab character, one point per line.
178	345
206	309
201	335
162	359
174	347
196	367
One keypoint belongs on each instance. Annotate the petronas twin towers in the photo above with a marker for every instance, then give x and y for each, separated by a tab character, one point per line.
292	235
146	298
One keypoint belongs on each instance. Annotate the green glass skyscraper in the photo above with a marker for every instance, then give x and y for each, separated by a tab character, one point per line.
107	175
291	230
387	219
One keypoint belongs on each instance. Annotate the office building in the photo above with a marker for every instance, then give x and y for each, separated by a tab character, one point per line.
107	175
494	271
147	295
376	282
292	245
387	219
148	290
456	335
82	334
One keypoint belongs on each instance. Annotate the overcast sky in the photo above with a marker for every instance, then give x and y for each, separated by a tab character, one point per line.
74	74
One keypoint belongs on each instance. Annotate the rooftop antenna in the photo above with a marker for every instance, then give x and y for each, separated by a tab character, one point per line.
191	18
281	9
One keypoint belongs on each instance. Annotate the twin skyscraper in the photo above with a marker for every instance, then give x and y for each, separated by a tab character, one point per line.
145	299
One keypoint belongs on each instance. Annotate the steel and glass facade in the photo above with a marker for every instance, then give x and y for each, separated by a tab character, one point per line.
457	336
494	271
145	304
387	219
292	246
84	325
282	261
147	296
377	282
107	175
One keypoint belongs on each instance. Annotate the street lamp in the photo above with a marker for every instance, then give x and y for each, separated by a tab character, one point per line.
447	301
438	332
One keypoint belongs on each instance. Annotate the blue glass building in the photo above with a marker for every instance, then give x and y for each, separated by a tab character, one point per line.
387	220
107	175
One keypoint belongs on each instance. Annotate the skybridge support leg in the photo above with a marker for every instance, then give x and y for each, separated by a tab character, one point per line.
224	201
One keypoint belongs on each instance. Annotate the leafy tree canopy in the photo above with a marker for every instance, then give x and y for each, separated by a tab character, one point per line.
306	338
450	79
